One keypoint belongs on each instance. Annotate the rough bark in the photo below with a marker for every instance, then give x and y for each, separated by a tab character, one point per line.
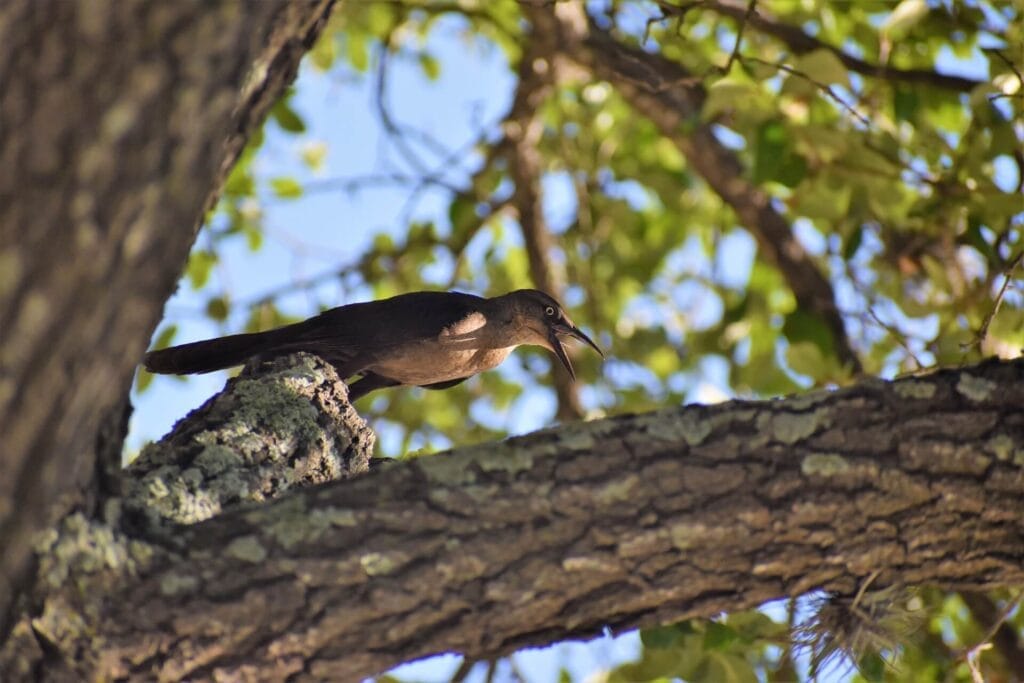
118	122
617	523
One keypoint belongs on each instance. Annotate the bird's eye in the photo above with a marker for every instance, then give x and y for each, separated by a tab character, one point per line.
549	311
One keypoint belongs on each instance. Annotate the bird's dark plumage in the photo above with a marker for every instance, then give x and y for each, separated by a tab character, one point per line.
430	339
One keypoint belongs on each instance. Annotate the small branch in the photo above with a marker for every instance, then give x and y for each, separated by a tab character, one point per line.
973	655
397	133
979	339
465	668
802	43
751	5
824	87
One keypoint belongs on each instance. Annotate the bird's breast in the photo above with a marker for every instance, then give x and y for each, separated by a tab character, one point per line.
429	362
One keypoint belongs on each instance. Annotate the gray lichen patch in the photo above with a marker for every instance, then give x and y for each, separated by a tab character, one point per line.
618	491
60	623
824	464
246	548
914	389
80	547
672	425
276	426
790	428
172	583
1005	449
505	458
263	406
977	389
381	564
593	564
686	535
449	471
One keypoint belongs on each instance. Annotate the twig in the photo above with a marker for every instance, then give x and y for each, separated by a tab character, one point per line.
973	654
863	589
979	339
465	668
1013	67
396	132
492	668
802	43
824	87
739	36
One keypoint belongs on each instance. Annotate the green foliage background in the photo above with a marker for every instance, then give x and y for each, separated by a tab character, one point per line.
906	193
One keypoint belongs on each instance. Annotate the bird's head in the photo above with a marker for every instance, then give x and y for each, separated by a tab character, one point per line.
542	322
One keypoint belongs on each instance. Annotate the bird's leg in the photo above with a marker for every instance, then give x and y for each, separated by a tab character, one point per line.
369	382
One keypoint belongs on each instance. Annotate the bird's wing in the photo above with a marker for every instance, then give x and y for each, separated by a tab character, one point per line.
353	336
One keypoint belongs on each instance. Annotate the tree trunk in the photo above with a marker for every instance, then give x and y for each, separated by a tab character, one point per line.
118	122
618	523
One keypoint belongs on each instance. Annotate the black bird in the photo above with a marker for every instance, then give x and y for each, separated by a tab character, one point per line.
429	339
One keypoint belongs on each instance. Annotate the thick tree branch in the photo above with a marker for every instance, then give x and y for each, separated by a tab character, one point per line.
618	523
117	119
672	98
801	43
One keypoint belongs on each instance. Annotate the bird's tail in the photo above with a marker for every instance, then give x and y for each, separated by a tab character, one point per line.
212	354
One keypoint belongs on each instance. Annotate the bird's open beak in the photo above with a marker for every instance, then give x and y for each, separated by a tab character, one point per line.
569	330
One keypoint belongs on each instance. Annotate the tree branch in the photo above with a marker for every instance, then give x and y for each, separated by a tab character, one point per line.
524	129
618	523
801	43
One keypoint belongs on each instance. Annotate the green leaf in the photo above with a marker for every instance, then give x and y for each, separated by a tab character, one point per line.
253	236
661	636
286	187
431	67
718	636
853	242
217	308
199	267
462	215
753	625
739	94
822	66
358	51
872	667
906	15
314	154
805	358
240	182
287	118
325	51
721	667
774	157
166	336
143	379
905	102
804	326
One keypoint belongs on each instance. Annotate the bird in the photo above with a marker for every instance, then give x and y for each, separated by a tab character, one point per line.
429	339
